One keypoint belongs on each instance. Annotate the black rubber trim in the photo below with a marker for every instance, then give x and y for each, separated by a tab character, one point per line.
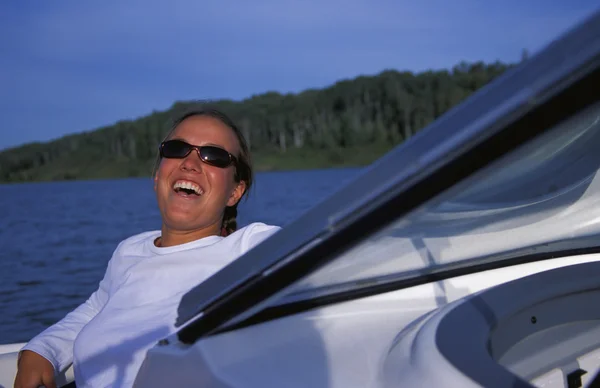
276	312
596	382
576	97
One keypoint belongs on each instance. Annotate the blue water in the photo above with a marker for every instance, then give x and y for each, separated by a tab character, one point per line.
56	238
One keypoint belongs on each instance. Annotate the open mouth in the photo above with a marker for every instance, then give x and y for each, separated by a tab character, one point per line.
187	188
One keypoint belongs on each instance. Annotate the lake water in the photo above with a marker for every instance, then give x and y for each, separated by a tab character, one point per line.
56	238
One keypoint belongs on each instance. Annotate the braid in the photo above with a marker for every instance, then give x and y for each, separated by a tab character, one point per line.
229	224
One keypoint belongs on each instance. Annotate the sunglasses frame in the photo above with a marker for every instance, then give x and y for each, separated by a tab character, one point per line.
232	159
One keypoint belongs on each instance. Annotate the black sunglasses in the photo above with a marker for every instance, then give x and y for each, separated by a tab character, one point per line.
215	156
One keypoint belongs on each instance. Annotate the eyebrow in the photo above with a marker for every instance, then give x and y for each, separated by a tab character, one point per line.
205	144
216	145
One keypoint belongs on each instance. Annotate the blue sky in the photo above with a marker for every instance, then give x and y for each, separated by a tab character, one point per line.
73	66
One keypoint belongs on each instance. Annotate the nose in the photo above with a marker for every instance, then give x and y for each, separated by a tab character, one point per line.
192	161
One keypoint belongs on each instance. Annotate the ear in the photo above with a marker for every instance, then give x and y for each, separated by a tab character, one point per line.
237	193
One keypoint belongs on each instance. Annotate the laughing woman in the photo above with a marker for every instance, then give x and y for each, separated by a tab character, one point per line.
202	172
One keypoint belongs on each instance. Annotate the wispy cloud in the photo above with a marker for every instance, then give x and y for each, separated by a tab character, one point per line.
76	65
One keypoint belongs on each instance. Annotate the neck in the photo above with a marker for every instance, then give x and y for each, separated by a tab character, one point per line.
170	237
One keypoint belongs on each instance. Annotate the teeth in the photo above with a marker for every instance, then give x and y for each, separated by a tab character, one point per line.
188	186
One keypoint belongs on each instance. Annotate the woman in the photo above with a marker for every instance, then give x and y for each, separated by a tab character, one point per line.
198	183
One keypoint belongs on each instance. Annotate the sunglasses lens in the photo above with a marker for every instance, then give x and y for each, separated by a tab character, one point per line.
175	149
215	156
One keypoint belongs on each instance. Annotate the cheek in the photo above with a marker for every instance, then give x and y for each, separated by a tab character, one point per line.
166	165
162	173
221	180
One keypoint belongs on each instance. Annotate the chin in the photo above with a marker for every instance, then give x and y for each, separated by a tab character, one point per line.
183	223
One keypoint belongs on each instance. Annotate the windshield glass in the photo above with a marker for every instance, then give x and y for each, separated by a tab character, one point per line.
544	195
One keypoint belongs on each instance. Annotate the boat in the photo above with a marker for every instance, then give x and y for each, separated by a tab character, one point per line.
468	256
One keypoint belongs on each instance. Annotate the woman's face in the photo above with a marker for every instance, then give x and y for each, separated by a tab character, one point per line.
218	189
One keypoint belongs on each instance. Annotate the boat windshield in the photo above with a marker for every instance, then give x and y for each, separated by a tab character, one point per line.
542	196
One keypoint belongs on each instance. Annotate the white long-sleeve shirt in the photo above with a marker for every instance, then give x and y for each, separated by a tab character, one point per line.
135	305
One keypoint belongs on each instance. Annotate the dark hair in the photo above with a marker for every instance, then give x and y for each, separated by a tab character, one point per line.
243	167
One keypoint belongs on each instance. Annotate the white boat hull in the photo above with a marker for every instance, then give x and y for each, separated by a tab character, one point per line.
353	344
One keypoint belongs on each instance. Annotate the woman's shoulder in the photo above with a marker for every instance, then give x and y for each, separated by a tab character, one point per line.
257	227
254	233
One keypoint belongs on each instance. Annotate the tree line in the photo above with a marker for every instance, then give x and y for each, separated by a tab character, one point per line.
372	113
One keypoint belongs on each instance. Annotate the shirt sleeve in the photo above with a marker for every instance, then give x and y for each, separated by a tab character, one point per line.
56	342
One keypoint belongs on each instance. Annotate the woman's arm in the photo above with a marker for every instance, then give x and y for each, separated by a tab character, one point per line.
56	342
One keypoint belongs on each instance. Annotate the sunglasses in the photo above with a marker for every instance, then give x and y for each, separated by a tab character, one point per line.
215	156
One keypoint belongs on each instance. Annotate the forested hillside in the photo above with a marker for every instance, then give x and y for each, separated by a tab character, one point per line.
352	122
